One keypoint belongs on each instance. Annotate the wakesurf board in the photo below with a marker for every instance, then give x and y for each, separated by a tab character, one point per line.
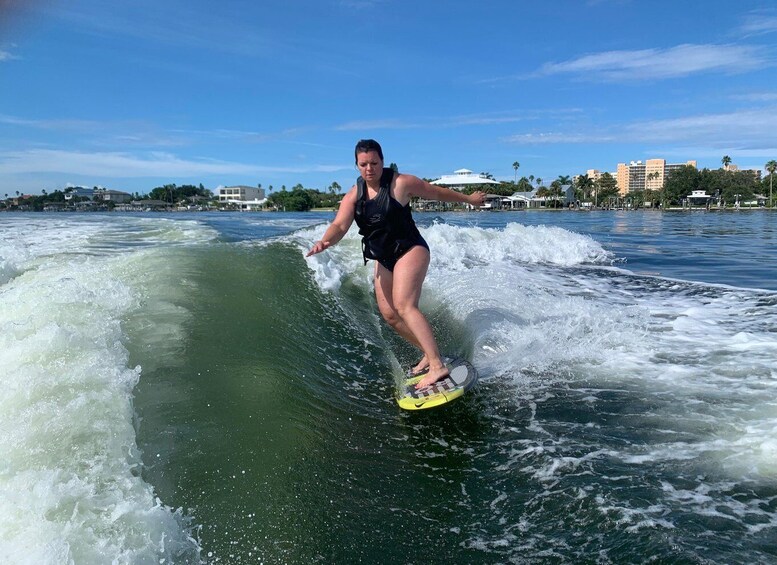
462	377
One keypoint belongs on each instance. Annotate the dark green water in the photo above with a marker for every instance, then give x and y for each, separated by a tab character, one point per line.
272	423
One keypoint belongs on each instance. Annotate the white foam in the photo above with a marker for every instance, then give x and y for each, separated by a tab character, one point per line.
546	305
70	484
456	247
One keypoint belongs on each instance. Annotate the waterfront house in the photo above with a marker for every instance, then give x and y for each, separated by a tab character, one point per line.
72	192
459	180
464	178
97	194
239	193
698	198
520	200
115	196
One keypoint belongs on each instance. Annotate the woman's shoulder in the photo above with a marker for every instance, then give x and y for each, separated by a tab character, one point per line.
405	180
351	194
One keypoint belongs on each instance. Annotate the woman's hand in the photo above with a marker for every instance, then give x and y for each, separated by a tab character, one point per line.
318	247
477	198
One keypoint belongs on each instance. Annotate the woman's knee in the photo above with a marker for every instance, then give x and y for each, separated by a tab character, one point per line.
391	316
404	308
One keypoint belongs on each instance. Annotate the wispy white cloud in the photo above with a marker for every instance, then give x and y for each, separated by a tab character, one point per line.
487	119
168	23
7	56
102	133
52	124
141	133
377	124
758	23
746	130
128	165
755	97
655	64
553	138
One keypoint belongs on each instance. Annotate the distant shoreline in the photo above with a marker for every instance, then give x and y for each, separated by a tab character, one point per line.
456	210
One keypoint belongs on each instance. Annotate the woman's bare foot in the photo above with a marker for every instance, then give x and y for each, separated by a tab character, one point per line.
434	375
421	367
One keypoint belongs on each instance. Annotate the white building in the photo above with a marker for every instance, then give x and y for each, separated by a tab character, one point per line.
240	193
519	200
98	193
108	195
463	178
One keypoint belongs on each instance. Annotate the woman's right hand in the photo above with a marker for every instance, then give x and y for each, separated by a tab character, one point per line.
318	247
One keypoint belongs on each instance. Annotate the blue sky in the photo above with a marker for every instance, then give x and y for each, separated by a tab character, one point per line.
132	95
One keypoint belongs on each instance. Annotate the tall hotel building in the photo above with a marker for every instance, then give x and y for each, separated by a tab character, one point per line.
649	175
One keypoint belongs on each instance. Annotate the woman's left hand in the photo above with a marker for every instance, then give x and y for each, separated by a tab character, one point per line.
477	198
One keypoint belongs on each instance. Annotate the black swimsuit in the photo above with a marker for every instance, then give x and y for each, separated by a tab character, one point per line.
387	228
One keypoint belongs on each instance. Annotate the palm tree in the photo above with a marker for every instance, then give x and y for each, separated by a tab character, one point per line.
564	179
726	160
584	184
539	181
771	166
516	164
555	192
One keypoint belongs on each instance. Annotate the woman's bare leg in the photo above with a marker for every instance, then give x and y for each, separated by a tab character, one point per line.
384	282
405	292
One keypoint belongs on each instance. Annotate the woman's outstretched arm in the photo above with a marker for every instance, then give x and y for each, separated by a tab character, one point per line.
408	186
339	226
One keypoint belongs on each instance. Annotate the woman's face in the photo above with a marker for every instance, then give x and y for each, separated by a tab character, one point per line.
370	165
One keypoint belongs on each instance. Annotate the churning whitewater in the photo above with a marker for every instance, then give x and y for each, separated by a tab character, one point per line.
189	388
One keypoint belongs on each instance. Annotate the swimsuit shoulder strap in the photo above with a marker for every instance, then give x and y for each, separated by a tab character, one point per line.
386	178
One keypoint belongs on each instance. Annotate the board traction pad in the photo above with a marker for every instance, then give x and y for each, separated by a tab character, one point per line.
462	377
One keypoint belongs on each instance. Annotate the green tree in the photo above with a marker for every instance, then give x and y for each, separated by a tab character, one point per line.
681	182
607	187
564	179
770	166
544	193
555	193
524	185
296	200
516	164
729	186
394	167
637	199
726	160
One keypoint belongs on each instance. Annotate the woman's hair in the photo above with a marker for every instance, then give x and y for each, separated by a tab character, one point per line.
365	146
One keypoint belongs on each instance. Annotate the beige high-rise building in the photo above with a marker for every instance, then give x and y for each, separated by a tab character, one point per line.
594	174
622	178
650	175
